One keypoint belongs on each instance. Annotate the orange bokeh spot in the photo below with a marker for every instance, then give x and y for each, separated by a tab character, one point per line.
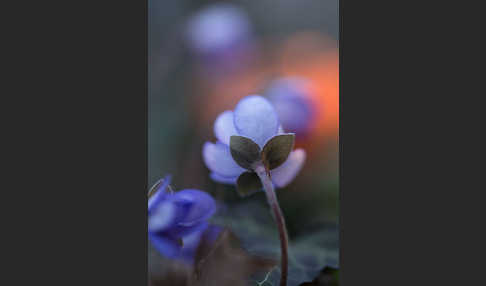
315	57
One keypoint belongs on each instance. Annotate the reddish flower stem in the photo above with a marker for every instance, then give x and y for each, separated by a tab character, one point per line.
264	176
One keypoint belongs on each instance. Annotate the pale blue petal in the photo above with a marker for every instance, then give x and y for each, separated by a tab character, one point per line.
285	173
217	158
202	206
208	236
182	231
255	118
168	247
162	217
224	127
224	180
191	243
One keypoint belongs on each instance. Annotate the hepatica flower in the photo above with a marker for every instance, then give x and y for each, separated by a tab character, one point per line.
292	99
178	220
246	137
254	152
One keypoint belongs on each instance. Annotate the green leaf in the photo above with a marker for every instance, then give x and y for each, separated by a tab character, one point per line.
276	151
244	151
248	183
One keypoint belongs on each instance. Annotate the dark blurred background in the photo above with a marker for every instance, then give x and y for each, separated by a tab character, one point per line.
188	88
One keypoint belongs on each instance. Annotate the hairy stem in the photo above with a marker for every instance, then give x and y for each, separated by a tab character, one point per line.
279	219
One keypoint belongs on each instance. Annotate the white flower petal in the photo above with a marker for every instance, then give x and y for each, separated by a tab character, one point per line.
162	217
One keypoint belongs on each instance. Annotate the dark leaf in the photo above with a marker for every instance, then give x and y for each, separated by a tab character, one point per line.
327	277
244	151
276	151
248	183
254	226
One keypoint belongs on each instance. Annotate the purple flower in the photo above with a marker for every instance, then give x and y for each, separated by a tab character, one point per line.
255	118
220	36
177	220
292	100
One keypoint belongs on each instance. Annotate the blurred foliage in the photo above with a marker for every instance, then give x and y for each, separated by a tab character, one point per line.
248	254
308	253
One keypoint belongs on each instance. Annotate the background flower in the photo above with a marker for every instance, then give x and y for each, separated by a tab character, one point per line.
292	99
220	38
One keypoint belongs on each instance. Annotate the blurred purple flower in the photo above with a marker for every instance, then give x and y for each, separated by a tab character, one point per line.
291	98
178	220
255	118
220	35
